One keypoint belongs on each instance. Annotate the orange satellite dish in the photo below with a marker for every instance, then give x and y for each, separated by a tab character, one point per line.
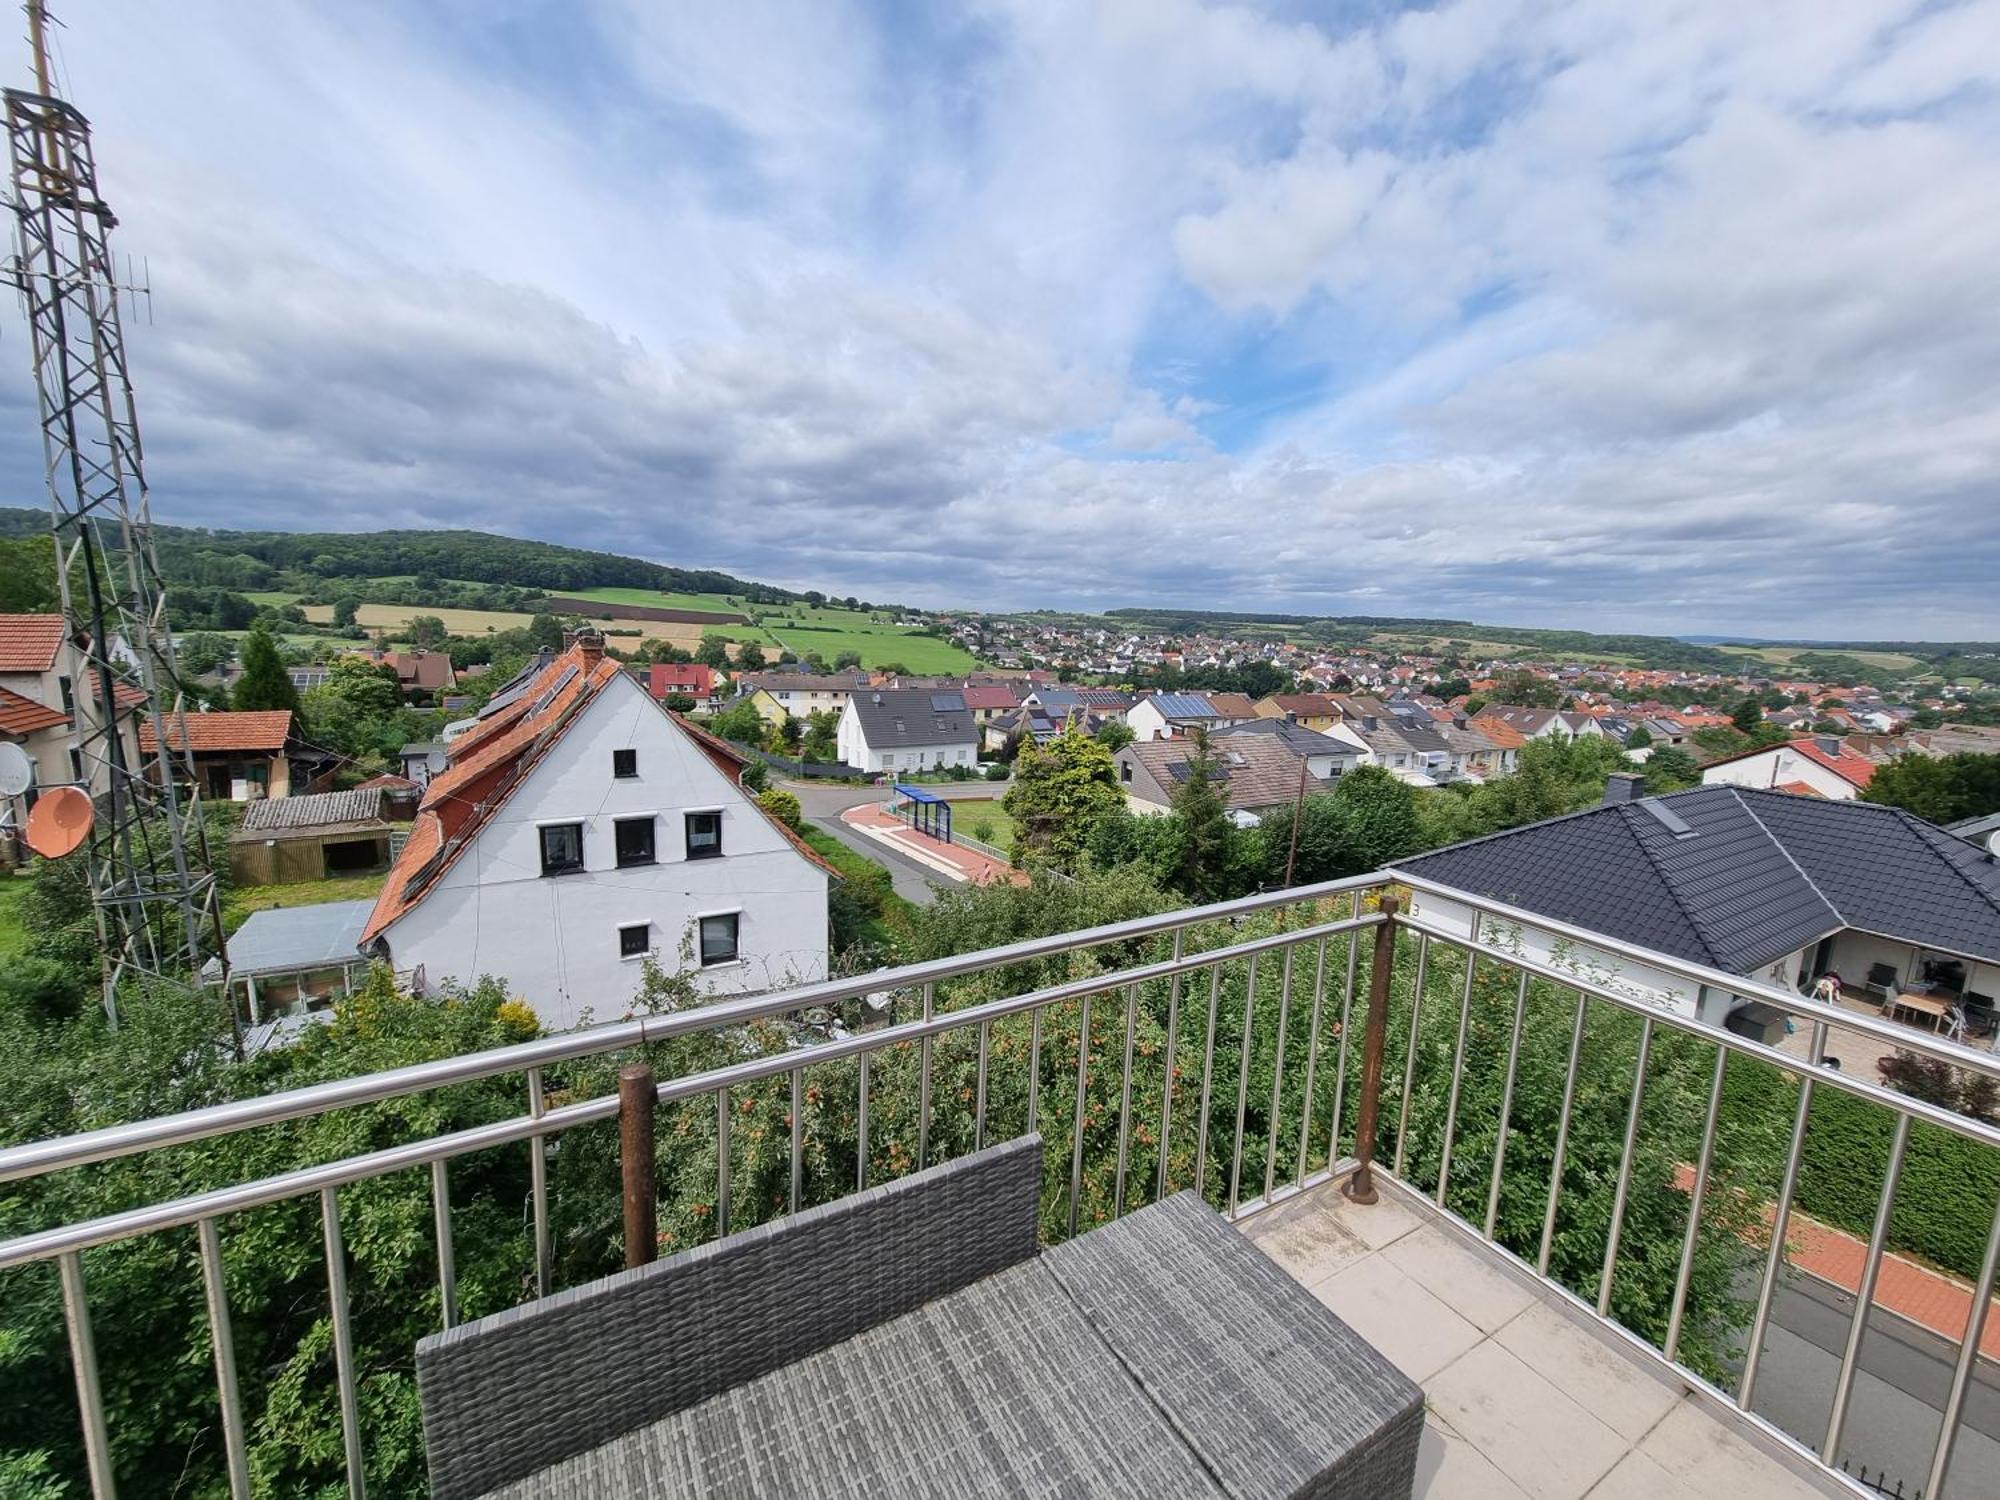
60	822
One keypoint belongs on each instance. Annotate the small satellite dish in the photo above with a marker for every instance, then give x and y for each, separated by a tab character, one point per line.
17	772
60	822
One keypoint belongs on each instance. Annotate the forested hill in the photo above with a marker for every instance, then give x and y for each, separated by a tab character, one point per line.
250	559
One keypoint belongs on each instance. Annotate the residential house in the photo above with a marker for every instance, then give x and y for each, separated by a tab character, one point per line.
1166	715
1538	723
580	829
1232	708
907	729
1474	754
1253	773
989	703
1819	765
238	757
1308	710
39	672
783	695
685	679
1328	755
1753	882
424	676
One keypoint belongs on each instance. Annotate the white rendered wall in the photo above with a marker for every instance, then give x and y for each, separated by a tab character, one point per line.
554	939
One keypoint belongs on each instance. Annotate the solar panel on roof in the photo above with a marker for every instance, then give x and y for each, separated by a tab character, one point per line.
947	703
549	696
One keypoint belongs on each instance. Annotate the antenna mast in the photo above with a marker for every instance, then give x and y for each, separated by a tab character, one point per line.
152	885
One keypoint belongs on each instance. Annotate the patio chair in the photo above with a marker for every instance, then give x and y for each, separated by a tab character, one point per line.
508	1395
1883	982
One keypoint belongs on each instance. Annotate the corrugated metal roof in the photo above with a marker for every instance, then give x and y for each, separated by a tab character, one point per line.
1759	875
357	805
299	937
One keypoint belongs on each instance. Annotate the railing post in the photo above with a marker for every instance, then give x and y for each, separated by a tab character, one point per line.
1360	1188
636	1098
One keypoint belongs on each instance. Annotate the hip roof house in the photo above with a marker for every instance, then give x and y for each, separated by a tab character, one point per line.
1760	883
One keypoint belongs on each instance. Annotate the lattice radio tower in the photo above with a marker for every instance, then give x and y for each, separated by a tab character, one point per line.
157	907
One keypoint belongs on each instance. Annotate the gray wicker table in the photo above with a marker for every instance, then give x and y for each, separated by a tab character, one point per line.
1161	1355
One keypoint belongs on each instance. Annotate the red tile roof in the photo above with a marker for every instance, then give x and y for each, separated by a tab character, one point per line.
1858	770
254	729
21	716
983	698
29	643
694	678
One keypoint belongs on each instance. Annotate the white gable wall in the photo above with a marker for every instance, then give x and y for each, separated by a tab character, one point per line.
1775	767
554	938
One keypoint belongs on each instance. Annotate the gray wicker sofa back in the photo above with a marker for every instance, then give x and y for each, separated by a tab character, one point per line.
510	1394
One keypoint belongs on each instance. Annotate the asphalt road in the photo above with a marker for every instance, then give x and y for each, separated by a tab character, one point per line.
823	803
1899	1391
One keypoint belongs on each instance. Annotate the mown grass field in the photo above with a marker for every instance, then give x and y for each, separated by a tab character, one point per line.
1888	661
800	628
967	815
239	903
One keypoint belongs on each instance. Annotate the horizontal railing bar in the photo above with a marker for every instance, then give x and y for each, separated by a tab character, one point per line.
1915	1108
176	1212
753	1070
113	1141
265	1191
1891	1032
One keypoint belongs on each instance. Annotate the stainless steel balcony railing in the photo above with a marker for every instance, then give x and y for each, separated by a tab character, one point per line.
1258	1112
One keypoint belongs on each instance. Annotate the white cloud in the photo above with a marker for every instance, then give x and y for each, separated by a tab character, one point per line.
1660	318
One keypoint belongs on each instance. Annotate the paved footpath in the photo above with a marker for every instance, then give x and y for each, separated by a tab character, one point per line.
952	861
1931	1299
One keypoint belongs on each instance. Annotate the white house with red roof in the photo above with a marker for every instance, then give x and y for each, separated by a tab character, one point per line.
39	671
1820	766
580	827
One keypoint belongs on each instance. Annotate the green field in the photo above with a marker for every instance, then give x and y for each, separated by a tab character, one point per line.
800	628
1888	661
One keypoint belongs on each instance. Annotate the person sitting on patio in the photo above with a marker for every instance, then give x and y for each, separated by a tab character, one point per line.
1827	987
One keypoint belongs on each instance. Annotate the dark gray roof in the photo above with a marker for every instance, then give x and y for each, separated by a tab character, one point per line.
314	810
894	718
1302	740
1755	875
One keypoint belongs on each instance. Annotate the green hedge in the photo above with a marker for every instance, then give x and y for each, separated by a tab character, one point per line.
1945	1201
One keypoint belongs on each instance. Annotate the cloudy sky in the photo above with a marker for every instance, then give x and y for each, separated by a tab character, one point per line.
1675	317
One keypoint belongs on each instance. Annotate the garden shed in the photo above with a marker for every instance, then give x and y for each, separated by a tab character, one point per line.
284	840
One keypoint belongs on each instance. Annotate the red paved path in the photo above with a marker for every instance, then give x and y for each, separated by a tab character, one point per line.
1930	1299
954	861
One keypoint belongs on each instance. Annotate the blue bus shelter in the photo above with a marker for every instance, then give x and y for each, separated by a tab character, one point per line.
924	811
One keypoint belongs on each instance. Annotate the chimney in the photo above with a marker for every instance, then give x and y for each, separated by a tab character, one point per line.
591	645
1827	743
1623	786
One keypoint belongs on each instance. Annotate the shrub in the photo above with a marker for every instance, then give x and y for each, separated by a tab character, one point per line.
783	806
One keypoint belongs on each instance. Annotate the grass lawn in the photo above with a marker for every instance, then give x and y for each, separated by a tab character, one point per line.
968	814
1888	661
13	939
239	903
278	600
656	599
803	627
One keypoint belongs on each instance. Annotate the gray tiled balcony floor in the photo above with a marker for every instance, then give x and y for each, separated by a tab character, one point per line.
1522	1398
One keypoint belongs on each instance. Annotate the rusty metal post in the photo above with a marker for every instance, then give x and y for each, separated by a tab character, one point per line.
636	1099
1360	1188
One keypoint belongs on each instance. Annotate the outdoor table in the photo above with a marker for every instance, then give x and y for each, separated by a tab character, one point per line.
1160	1355
1928	1005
